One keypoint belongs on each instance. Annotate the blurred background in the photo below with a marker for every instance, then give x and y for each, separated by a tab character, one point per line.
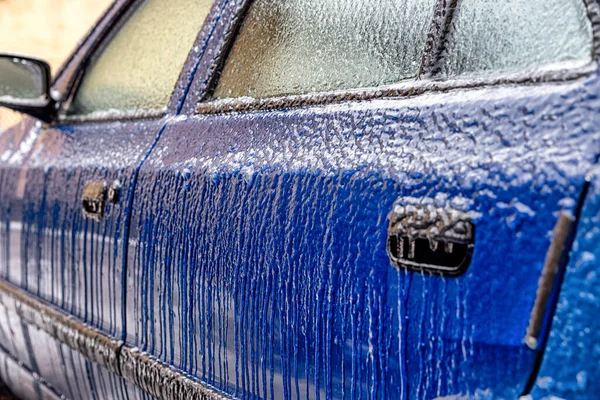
47	29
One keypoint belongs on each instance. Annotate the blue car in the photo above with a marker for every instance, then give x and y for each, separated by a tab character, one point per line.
306	199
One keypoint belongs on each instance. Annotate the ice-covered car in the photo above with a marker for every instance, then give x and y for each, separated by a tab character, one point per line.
306	199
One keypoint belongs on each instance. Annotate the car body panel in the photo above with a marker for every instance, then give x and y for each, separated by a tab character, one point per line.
248	249
51	249
260	240
571	365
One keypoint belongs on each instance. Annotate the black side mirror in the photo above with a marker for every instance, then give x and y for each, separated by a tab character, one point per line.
25	86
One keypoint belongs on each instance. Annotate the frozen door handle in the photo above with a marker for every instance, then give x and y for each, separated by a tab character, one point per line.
428	239
94	197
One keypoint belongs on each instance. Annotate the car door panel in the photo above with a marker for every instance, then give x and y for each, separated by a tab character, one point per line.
56	253
261	241
570	365
50	248
250	249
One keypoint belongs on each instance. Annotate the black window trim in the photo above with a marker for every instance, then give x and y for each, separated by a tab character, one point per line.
424	82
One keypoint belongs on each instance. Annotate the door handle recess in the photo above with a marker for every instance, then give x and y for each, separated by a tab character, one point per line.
428	239
95	195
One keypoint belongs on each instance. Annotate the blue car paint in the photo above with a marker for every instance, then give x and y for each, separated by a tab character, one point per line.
48	247
256	258
571	367
295	206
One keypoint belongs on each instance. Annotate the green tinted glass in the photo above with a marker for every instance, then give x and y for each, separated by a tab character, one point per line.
493	35
139	68
302	46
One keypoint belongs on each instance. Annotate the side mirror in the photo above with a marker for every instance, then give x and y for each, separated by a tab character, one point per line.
25	86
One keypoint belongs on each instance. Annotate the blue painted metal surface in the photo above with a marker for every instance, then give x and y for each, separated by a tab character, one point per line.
261	242
571	365
249	249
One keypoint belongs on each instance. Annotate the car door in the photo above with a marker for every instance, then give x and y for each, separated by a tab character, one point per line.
368	199
67	187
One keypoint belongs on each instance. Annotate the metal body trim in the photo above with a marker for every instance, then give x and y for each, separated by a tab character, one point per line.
555	258
147	373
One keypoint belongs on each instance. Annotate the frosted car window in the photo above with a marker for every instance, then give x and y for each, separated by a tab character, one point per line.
140	66
493	35
302	46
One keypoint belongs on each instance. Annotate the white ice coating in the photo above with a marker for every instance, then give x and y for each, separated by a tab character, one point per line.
345	151
568	203
442	200
518	206
431	223
22	102
119	114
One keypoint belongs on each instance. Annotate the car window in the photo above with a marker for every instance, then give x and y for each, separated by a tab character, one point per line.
493	35
301	46
139	68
